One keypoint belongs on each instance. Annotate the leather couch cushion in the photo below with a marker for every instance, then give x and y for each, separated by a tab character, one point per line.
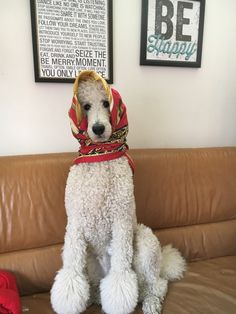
208	288
201	241
34	269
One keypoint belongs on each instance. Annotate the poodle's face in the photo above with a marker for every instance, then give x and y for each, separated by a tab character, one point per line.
96	107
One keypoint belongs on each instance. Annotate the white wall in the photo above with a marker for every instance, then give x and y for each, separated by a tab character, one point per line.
168	107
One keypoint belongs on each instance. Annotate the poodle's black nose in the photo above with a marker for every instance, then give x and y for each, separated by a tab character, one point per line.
98	128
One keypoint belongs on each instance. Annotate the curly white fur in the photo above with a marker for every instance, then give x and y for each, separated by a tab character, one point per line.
107	257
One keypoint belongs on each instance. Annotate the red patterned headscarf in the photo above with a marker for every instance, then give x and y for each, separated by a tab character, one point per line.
116	146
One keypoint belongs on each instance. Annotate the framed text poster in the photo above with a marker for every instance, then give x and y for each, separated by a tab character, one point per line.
172	32
70	36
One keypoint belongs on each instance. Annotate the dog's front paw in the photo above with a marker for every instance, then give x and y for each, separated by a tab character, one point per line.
151	305
119	292
69	293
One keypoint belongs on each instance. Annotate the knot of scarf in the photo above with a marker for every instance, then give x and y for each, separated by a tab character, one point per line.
116	146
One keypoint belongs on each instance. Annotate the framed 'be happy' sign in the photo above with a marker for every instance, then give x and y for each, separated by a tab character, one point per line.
172	32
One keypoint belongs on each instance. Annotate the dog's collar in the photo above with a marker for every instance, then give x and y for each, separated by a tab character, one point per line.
116	146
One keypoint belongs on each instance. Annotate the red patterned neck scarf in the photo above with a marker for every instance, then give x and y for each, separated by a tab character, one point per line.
116	146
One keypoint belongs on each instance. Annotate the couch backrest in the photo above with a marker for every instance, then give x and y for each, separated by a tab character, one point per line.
187	196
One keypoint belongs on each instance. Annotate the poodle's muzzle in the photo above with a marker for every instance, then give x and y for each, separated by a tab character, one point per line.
99	126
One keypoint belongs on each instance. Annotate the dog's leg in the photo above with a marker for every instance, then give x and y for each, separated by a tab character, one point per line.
70	291
147	263
119	289
95	274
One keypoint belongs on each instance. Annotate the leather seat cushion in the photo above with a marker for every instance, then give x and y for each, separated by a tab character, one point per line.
208	287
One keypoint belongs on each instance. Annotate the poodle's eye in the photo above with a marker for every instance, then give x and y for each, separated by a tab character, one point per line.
106	104
87	107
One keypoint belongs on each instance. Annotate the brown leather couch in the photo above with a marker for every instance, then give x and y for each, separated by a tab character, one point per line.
187	196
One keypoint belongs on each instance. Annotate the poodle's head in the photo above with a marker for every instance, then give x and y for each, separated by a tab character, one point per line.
95	106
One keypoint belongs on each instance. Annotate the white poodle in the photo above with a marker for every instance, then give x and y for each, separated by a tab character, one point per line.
107	257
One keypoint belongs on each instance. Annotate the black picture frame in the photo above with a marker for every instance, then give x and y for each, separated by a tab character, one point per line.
157	47
69	36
